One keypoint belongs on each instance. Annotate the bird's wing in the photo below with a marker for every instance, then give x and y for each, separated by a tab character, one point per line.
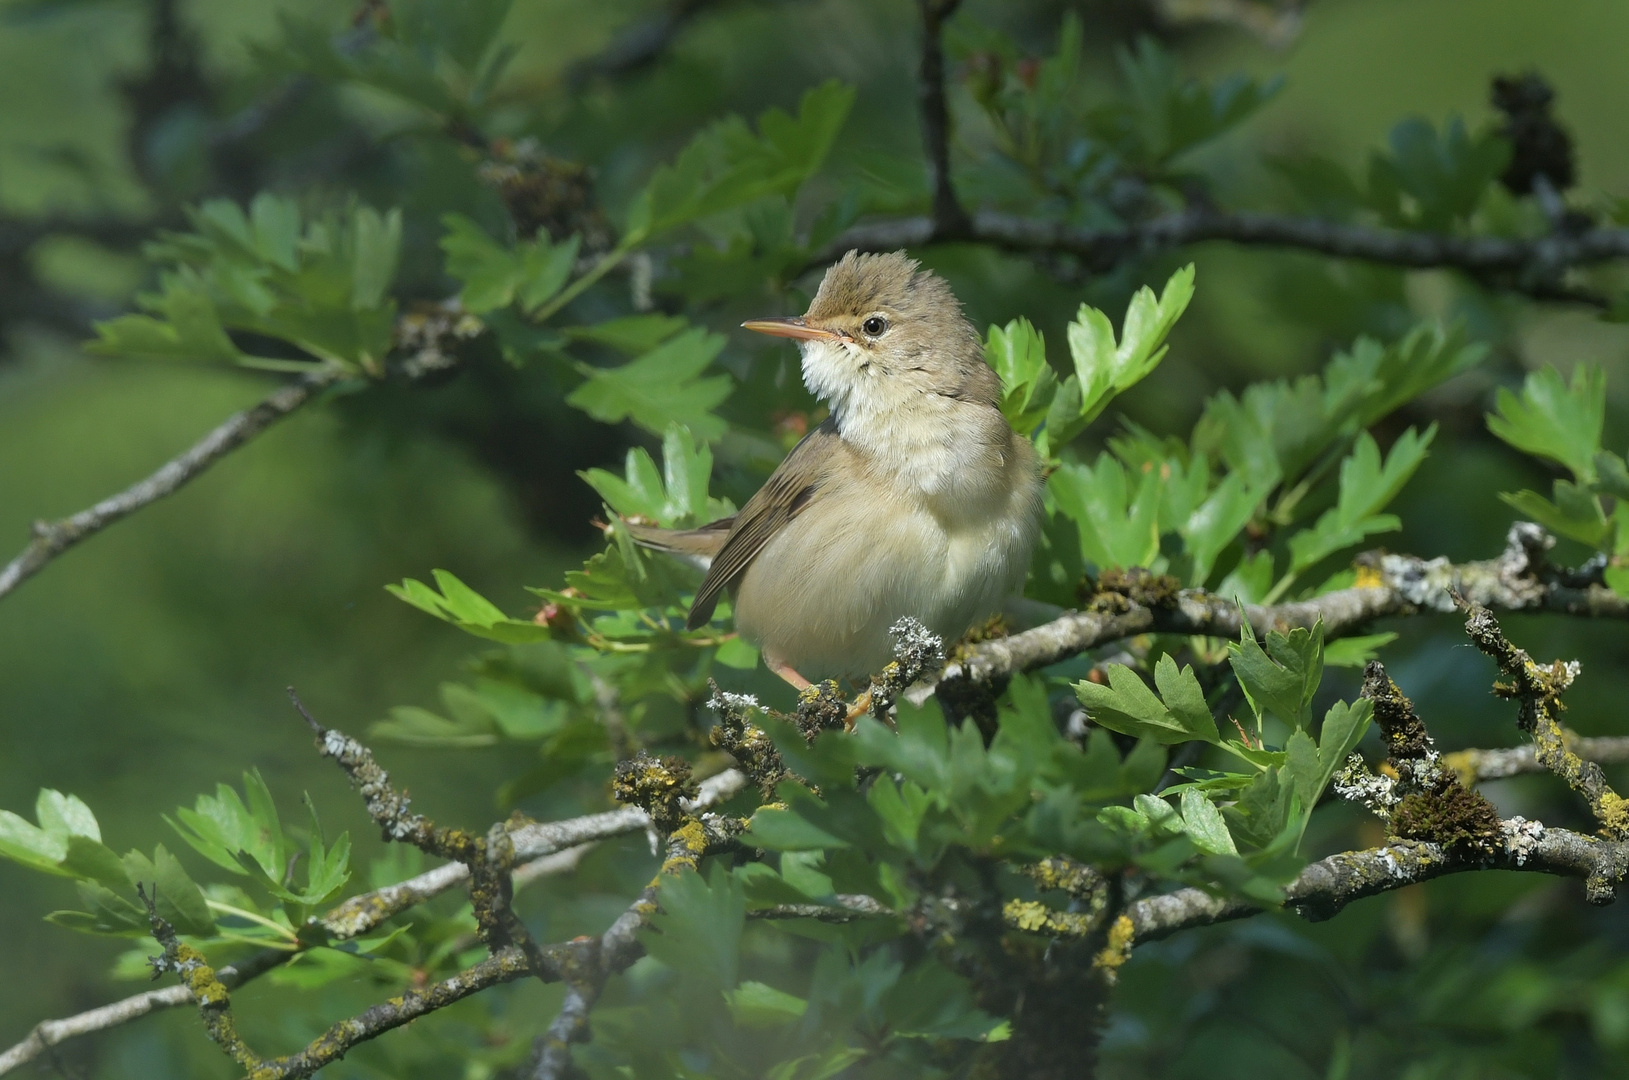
790	489
700	543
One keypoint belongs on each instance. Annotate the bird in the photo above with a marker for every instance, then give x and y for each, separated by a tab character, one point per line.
913	498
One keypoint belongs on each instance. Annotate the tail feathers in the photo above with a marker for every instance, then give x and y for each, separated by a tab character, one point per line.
697	546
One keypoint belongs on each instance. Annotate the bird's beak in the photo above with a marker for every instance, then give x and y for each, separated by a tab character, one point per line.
791	328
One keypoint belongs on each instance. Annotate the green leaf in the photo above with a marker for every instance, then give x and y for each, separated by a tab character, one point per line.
630	334
1217	522
1554	420
495	276
783	830
1017	352
1612	475
1118	526
1106	368
1575	513
1343	728
1366	487
462	606
188	911
1430	181
1128	706
756	1005
1356	651
322	288
728	166
94	860
1281	678
661	388
697	932
1205	826
676	497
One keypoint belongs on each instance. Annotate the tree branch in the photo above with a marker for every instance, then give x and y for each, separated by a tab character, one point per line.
1328	885
1518	580
541	848
949	220
1496	764
1529	265
52	538
613	951
1539	688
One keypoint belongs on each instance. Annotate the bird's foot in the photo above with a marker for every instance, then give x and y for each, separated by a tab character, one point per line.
787	672
860	706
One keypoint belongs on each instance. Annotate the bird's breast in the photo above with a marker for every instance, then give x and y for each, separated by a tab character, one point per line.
871	550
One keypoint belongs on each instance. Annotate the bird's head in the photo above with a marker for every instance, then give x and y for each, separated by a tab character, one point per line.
880	334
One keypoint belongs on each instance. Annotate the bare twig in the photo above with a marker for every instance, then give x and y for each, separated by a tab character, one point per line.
52	538
641	44
1538	688
1529	265
1496	764
949	220
50	1033
1397	585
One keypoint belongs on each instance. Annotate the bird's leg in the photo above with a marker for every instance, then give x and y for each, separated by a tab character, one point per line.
785	671
859	708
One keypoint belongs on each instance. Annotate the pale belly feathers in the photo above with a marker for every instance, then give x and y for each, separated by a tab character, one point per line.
824	591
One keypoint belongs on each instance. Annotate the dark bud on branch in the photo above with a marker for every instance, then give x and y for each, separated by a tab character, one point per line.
1540	147
656	785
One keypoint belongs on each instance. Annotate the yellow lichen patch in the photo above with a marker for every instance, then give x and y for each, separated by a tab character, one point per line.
685	847
1368	577
1462	763
1614	811
1026	915
1110	958
1036	918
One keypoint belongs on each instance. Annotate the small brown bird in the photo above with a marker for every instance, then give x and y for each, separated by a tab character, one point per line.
915	498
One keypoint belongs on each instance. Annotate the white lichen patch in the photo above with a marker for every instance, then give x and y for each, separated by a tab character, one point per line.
724	701
1355	783
915	644
1522	837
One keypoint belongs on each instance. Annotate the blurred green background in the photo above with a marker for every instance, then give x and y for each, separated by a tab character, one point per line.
150	663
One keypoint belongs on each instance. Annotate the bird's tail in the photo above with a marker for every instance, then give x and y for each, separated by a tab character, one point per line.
696	546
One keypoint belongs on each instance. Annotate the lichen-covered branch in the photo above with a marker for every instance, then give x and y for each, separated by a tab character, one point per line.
843	907
1496	764
613	951
1527	265
1539	688
1518	580
540	848
50	1033
52	538
1328	885
206	989
1427	801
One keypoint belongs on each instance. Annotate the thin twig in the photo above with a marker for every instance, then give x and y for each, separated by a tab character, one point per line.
1527	265
1496	764
1539	688
52	538
949	220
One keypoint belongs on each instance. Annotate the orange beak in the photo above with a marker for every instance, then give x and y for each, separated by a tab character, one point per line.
791	328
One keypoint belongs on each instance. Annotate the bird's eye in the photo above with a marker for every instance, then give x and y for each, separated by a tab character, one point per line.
874	326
